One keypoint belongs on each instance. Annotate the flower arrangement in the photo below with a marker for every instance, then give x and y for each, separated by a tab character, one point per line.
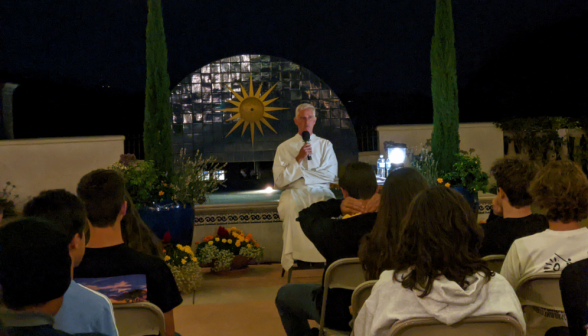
425	163
184	266
7	207
222	250
191	181
467	173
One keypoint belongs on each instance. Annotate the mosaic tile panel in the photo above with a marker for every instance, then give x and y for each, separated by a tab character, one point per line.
238	218
199	125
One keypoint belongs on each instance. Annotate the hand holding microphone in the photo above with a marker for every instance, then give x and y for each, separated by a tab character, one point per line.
306	150
306	138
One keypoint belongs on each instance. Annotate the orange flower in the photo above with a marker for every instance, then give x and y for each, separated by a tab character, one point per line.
161	193
256	245
447	185
164	251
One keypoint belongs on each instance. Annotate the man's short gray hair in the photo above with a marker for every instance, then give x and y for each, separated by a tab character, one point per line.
305	106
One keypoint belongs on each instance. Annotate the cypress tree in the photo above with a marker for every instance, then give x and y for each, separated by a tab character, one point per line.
445	138
158	111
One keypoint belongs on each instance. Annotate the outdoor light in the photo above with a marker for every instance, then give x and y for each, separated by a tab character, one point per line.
268	190
396	155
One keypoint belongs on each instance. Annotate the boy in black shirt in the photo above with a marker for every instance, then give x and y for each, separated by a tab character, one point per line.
122	274
511	216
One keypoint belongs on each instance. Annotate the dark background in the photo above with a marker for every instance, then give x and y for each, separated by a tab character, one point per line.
81	64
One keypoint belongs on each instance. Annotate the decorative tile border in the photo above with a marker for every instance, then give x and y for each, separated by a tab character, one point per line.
484	208
237	218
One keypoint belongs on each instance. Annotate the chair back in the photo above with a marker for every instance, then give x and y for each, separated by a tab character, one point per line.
344	273
140	318
494	261
540	290
360	295
490	325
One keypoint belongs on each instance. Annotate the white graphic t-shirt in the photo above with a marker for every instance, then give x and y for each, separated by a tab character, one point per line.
544	252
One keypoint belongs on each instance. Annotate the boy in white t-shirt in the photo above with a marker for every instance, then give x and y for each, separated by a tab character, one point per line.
561	188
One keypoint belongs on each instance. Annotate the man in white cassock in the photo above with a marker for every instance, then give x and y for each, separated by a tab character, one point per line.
303	182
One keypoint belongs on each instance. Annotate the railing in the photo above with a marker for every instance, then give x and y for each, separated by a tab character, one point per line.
134	145
367	138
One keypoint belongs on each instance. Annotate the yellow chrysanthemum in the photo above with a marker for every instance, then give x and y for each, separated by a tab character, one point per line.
230	241
248	245
238	243
167	258
184	261
224	240
447	185
210	242
217	239
180	247
440	180
161	193
247	240
194	259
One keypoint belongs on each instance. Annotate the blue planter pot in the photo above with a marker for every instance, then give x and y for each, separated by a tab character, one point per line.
178	219
471	198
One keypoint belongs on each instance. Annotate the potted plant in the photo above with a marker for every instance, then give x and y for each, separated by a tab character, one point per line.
467	177
229	250
426	164
183	264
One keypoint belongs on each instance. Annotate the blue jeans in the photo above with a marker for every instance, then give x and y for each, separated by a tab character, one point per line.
296	306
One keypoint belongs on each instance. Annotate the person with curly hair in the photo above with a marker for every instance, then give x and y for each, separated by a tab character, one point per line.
136	234
561	189
511	216
437	270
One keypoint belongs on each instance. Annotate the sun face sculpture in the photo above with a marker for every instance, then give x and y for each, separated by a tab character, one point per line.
252	109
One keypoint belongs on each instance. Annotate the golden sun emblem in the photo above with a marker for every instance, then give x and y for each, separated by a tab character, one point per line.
252	109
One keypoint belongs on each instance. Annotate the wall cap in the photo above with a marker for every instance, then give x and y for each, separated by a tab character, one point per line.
50	141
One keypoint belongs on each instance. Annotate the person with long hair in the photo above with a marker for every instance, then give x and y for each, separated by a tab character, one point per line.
136	234
437	270
376	248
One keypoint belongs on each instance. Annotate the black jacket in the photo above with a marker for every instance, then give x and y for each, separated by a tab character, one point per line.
335	239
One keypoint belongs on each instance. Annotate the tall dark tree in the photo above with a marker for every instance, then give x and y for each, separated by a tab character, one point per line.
445	138
158	111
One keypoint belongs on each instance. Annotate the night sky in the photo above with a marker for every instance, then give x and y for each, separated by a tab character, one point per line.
81	64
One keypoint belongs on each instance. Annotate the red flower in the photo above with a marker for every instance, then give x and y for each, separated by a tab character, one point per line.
166	238
222	232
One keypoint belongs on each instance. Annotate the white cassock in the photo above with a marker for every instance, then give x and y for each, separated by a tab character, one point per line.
303	184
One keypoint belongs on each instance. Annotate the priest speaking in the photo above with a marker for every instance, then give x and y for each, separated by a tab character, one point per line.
303	169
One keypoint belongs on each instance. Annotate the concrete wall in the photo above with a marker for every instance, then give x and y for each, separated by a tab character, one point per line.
34	165
369	157
485	138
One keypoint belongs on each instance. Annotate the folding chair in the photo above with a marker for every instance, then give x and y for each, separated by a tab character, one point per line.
140	318
343	273
490	325
360	295
541	292
494	261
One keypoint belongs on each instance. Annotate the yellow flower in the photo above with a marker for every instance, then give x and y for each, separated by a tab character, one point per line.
440	180
248	245
210	242
194	259
167	258
230	241
238	243
247	240
165	184
184	261
180	247
224	240
217	239
161	193
447	185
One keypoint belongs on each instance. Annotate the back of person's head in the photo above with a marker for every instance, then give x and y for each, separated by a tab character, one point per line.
439	236
514	175
35	266
62	208
103	194
377	247
561	188
136	234
359	180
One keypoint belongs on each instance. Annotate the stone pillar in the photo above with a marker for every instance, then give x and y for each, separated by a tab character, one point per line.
7	115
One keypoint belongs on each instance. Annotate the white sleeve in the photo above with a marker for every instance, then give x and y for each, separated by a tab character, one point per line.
511	268
285	169
325	173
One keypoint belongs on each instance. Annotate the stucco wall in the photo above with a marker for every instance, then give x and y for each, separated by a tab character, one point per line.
34	165
485	138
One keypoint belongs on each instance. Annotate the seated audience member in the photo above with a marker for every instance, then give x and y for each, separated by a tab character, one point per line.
339	238
511	216
574	293
109	261
376	251
560	188
136	234
437	270
35	273
83	309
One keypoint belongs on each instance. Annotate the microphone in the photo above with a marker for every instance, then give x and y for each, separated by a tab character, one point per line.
306	138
